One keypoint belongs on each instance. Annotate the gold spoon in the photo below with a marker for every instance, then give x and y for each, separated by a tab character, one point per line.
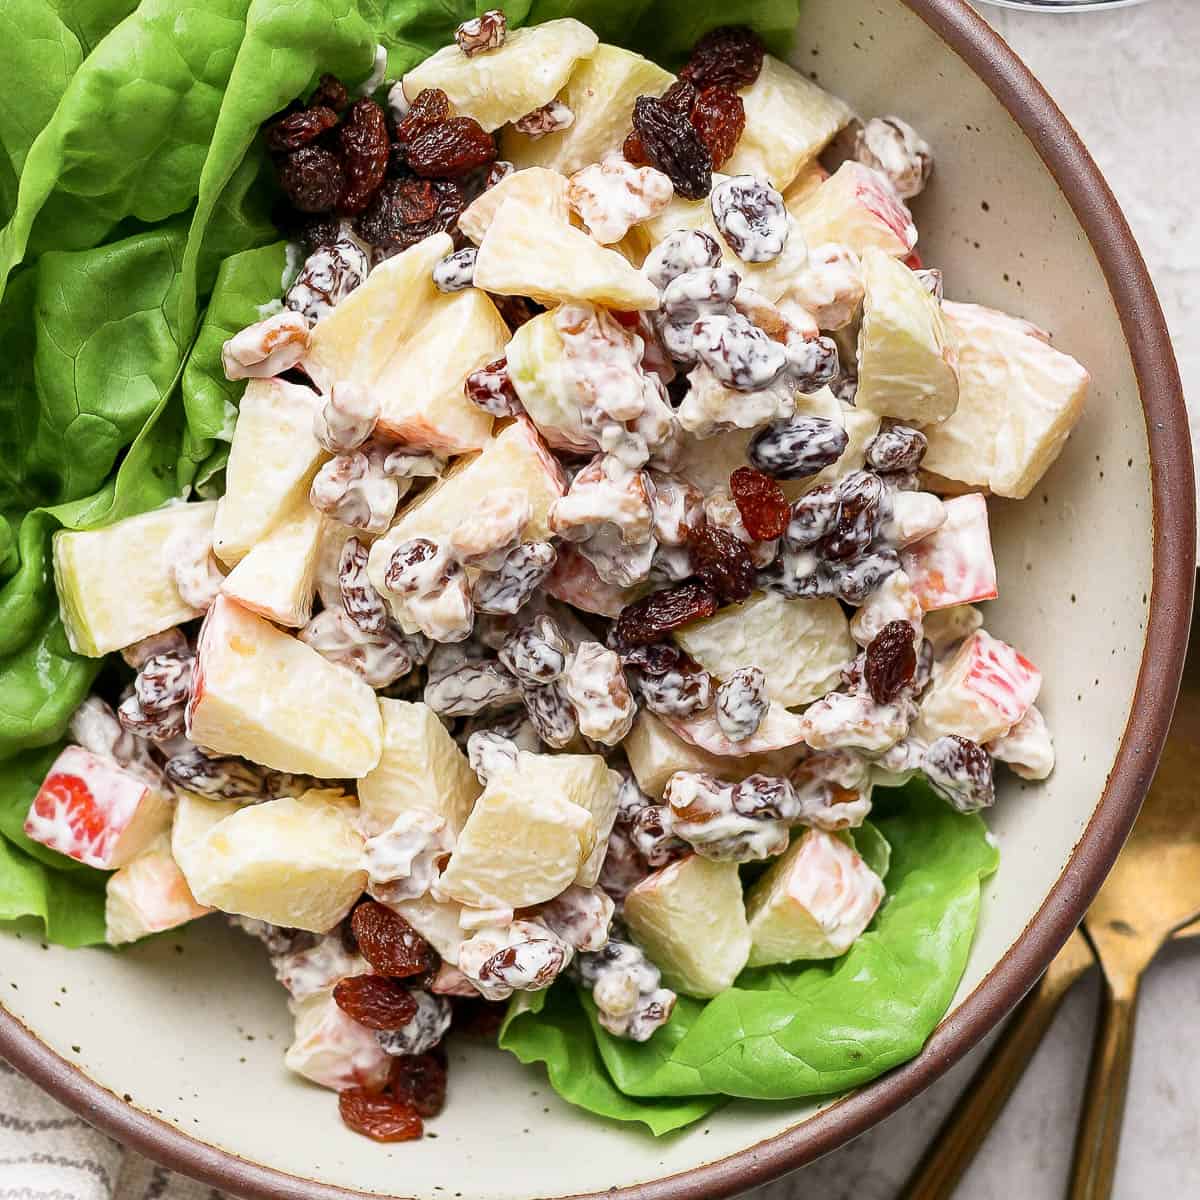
1153	890
1130	918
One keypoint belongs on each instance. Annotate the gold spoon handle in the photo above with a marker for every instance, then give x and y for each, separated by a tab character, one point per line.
1099	1135
954	1146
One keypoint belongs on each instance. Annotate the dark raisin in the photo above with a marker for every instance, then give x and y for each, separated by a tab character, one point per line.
719	117
891	661
656	659
798	575
454	147
682	693
318	233
299	128
420	1081
478	1018
731	56
860	503
363	138
312	179
797	448
406	211
430	108
652	617
389	943
491	389
374	1001
765	798
723	562
680	96
764	508
855	580
813	516
897	448
633	151
331	92
380	1117
961	772
672	145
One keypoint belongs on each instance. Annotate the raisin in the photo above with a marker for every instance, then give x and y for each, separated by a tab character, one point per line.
719	117
491	389
374	1001
382	1118
657	659
731	56
742	703
419	1080
476	1017
634	152
897	448
482	33
331	92
680	96
751	217
406	211
452	148
430	108
798	447
860	496
312	179
674	147
855	580
682	692
363	138
652	617
389	943
891	661
723	562
318	234
960	771
299	128
761	502
813	516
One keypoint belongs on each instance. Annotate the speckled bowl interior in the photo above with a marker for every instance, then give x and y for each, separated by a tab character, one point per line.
182	1038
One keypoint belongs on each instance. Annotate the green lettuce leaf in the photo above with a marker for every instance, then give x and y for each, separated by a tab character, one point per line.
70	905
813	1030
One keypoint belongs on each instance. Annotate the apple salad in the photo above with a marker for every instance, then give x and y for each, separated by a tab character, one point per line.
605	518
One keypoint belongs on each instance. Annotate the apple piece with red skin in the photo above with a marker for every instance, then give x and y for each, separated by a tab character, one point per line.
95	811
779	730
857	207
574	581
264	695
985	689
954	564
333	1049
148	895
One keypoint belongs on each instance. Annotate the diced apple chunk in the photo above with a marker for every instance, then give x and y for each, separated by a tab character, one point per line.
520	846
809	644
516	459
949	625
354	341
504	84
814	902
690	920
147	895
334	1050
954	564
294	861
584	780
421	768
272	461
1019	399
524	253
655	752
1026	748
421	387
95	811
982	692
805	185
277	578
907	356
600	93
779	730
437	921
115	585
857	207
789	121
265	695
537	188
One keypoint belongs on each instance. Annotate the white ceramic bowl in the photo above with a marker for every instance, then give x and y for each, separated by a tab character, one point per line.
176	1046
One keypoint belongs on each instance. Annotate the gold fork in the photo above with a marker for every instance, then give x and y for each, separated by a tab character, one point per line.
1152	894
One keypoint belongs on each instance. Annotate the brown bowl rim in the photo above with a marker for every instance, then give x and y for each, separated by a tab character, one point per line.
1174	541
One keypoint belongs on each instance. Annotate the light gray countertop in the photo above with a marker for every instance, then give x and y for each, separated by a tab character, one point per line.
1129	80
